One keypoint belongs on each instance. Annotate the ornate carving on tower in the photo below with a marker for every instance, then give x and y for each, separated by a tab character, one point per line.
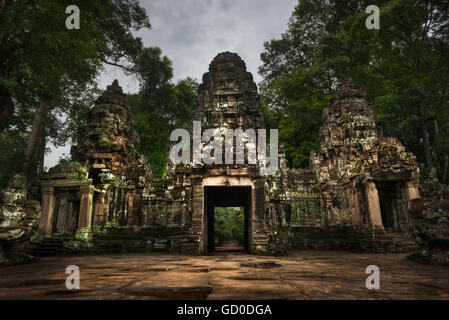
350	145
108	142
365	179
228	95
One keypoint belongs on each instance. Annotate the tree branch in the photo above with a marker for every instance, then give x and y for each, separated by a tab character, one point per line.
118	65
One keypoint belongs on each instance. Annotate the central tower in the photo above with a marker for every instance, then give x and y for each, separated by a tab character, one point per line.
228	99
228	96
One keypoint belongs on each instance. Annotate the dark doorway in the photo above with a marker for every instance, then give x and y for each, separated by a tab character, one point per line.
392	205
215	197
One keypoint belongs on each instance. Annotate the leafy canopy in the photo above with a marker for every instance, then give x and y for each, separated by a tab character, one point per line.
404	66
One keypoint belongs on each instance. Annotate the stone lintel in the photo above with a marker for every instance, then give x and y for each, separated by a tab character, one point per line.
65	183
392	176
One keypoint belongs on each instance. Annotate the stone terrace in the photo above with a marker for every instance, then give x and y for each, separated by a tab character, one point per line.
301	275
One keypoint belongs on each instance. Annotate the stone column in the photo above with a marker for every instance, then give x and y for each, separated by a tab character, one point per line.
326	204
412	191
374	212
199	225
258	239
84	231
130	217
100	210
356	216
48	209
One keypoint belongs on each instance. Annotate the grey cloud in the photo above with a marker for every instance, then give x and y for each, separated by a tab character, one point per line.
192	32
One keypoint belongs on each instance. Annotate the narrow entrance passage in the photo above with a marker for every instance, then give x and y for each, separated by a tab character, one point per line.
229	229
216	201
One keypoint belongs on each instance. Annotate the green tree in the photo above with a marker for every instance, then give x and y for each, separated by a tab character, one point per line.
229	224
297	85
44	66
160	106
404	66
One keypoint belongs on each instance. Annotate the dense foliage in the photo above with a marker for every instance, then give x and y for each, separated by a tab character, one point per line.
404	67
160	106
47	76
48	72
229	225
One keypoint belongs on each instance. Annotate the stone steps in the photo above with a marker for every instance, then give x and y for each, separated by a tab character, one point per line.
48	246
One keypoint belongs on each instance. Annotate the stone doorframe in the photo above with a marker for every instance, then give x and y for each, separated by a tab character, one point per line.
410	189
229	178
48	206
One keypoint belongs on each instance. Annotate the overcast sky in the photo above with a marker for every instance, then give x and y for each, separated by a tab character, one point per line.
192	32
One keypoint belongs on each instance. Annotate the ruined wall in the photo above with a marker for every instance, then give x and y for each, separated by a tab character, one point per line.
19	219
431	230
292	197
292	201
106	199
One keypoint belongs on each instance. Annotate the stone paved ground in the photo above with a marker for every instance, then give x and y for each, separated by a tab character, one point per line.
301	275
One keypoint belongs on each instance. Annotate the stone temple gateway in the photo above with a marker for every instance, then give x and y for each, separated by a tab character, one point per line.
354	195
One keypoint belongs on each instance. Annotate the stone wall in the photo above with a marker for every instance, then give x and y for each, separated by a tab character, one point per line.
431	230
19	219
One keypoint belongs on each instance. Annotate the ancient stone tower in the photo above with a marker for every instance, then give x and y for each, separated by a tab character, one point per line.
106	172
108	142
365	179
228	99
228	95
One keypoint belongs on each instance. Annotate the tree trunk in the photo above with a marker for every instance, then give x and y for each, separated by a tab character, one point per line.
6	106
40	112
40	167
426	140
40	151
436	127
446	164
